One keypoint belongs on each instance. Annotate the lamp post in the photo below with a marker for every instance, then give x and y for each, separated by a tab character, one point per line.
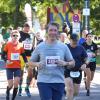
86	15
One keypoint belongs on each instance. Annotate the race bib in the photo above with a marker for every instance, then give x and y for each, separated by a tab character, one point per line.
27	46
51	61
75	74
89	54
15	56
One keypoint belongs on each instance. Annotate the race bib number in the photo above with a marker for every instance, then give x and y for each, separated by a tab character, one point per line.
74	74
15	56
27	46
51	61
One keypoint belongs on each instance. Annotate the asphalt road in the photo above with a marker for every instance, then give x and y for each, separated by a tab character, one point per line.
95	89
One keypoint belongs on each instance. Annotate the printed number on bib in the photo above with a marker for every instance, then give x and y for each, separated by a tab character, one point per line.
27	46
74	74
51	61
14	56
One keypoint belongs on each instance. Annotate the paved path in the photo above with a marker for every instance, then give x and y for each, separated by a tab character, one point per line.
95	89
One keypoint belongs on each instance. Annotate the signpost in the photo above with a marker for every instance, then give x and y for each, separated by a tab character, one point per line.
75	18
86	15
76	24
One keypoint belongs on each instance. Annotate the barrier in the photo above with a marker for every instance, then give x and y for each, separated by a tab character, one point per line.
2	64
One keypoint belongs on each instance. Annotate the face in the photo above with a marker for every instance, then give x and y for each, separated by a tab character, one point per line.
26	29
84	33
63	37
52	32
15	36
89	37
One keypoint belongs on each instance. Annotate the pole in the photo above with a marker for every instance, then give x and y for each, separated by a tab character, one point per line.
86	15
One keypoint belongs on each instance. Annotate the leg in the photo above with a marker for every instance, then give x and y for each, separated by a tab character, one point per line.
57	91
28	81
17	75
20	84
9	73
76	89
70	88
88	81
92	75
45	91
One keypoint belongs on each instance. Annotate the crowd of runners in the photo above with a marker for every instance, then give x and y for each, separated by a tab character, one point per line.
53	61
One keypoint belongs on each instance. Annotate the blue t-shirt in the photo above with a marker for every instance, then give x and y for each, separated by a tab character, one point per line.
79	54
48	54
81	41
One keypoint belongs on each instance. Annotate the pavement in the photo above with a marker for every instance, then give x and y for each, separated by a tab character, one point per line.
95	89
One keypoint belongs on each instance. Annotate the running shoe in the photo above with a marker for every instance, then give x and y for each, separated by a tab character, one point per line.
20	92
27	92
88	92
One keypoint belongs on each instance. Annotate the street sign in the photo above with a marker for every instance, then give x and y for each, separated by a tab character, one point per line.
75	18
76	27
86	11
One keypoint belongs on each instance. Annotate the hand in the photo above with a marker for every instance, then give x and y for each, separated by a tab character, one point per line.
8	62
40	64
61	63
93	54
26	65
83	67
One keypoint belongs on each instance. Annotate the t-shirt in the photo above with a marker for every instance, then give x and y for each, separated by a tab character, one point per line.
81	41
25	37
79	54
48	54
90	49
13	54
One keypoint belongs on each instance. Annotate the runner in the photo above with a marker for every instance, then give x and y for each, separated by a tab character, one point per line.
91	49
28	47
11	54
50	57
83	38
73	76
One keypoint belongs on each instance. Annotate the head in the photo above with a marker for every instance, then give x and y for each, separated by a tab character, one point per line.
65	28
62	37
84	33
74	39
38	35
89	37
52	31
26	28
15	35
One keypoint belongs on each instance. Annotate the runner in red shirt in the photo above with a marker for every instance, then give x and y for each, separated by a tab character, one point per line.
11	55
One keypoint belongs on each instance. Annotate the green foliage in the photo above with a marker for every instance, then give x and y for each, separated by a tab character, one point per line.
12	11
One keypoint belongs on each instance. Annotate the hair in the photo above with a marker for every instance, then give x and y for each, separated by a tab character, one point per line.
88	34
53	24
26	25
15	31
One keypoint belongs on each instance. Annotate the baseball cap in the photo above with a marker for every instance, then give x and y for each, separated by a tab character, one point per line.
74	37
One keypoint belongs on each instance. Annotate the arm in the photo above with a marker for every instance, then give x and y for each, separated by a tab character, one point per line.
24	57
4	56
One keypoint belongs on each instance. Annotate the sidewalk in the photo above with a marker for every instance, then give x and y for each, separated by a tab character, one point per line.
95	89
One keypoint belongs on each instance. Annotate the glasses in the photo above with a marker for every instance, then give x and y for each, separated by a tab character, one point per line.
15	35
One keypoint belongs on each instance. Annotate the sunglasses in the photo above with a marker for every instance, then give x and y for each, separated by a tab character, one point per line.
15	35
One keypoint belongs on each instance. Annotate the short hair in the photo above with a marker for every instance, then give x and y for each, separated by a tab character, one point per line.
26	25
53	24
15	31
74	37
88	34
